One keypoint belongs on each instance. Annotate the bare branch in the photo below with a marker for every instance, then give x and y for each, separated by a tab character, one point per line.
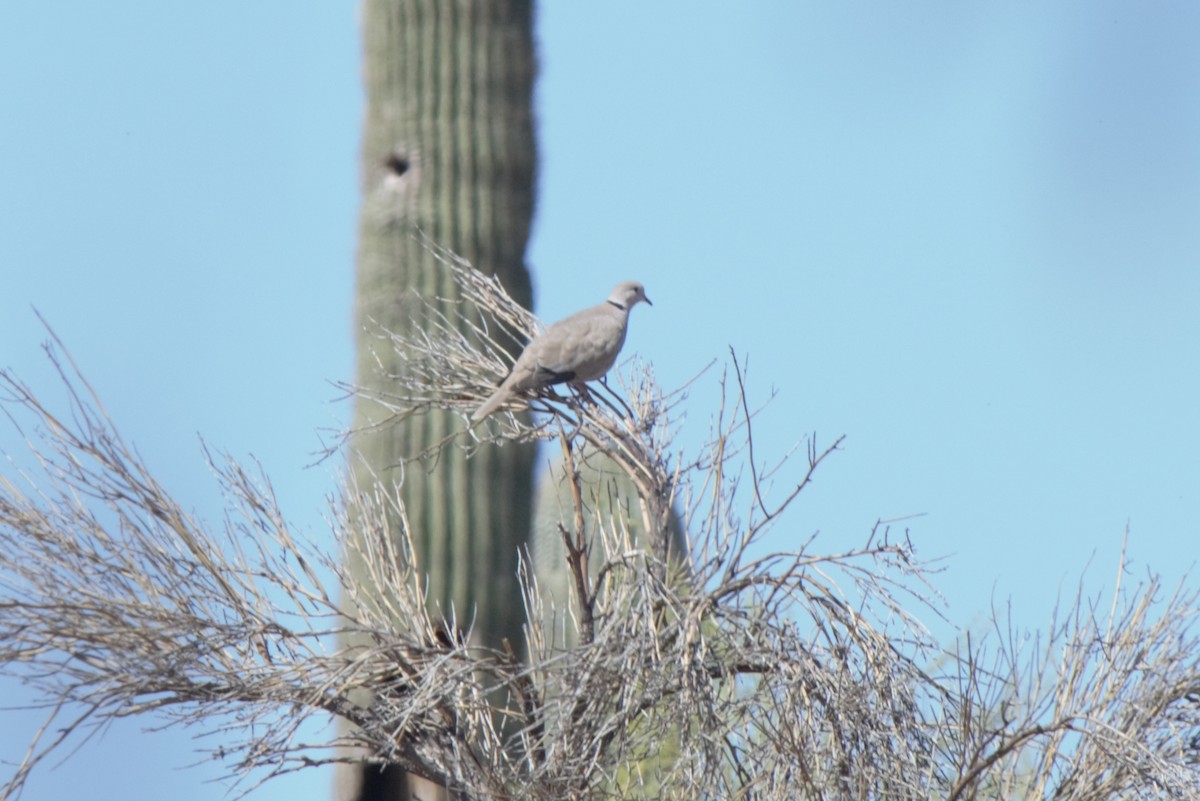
714	670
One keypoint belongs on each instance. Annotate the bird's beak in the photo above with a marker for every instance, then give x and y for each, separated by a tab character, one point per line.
647	300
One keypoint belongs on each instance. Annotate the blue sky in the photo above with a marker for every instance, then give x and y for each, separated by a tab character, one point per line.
964	235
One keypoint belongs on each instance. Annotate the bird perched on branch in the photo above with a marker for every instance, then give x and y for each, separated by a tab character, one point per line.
575	350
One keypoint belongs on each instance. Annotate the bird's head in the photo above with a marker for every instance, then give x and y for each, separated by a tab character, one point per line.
627	293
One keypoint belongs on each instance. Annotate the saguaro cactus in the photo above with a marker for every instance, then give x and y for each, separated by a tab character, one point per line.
448	151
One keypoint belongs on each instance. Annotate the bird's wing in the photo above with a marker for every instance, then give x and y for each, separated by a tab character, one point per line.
583	346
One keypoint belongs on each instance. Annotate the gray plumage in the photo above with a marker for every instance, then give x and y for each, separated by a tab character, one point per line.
580	348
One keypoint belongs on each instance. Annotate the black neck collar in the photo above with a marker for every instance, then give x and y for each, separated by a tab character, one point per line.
614	303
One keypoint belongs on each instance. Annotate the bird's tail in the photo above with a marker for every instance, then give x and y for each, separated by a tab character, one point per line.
491	404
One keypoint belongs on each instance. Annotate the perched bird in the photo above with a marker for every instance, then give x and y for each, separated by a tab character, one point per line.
575	350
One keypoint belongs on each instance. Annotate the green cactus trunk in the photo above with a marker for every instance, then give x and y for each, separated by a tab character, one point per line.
448	150
607	494
448	147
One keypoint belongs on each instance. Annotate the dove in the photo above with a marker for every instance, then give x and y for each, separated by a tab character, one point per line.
574	350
